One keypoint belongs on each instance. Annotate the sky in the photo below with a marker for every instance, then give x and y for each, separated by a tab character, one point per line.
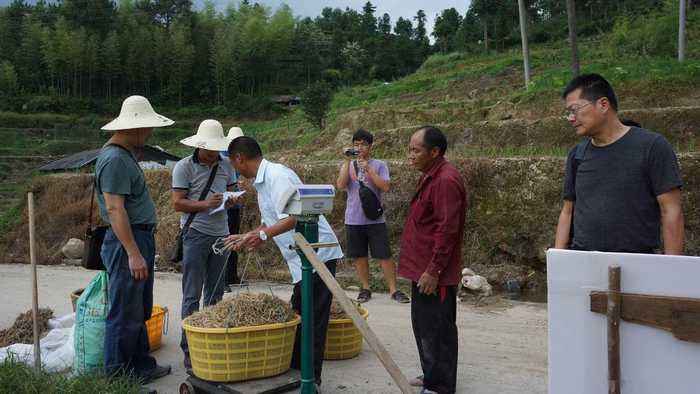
395	8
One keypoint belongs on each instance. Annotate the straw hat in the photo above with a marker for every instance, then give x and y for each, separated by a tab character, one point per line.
137	113
210	136
234	132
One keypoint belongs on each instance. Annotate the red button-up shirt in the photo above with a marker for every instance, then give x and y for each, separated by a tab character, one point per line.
432	237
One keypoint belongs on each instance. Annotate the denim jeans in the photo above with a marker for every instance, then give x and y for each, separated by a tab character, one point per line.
130	303
201	269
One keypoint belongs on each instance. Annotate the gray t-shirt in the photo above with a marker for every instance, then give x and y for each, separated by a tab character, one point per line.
191	176
118	172
614	192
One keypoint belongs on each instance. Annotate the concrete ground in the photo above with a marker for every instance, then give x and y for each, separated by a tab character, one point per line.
502	347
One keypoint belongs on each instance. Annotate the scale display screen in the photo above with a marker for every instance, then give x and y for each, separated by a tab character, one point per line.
315	192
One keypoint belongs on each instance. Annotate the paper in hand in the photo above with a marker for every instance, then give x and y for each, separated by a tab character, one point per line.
227	195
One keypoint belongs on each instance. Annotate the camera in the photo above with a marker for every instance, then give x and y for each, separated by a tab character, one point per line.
351	152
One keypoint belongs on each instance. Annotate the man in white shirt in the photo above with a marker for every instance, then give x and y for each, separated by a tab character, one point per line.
272	181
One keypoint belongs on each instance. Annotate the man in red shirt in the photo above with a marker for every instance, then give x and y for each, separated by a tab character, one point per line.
431	246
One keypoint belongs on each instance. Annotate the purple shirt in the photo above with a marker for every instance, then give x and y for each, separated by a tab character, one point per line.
354	215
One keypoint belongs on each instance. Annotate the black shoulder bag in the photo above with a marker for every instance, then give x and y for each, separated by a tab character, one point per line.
371	205
176	256
92	259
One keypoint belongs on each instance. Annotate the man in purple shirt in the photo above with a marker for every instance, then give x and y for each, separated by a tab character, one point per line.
362	232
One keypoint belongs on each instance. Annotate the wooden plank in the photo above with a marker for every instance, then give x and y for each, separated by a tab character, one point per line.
351	310
657	312
613	313
35	292
686	325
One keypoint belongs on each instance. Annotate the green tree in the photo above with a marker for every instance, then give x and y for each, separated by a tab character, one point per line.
30	60
316	103
354	58
110	57
420	34
182	58
222	63
445	32
93	15
9	82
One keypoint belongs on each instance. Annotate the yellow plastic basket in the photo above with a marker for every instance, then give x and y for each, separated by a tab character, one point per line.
243	353
343	339
157	326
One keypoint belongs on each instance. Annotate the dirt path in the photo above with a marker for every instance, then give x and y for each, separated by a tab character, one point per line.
502	349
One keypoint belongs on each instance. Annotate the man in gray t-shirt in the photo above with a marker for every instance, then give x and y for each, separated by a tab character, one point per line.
622	184
202	269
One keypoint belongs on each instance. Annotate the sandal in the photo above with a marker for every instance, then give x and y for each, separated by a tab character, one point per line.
400	297
364	296
417	381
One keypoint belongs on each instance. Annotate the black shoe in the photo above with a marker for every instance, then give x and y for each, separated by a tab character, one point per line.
156	373
400	297
227	289
364	296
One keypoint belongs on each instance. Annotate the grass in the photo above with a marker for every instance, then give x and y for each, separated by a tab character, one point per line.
18	378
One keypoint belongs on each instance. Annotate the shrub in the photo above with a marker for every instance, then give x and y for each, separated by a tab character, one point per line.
316	102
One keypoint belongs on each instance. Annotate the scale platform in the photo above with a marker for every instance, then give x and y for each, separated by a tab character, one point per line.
291	380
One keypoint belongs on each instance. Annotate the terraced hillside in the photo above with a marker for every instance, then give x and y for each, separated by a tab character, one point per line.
509	144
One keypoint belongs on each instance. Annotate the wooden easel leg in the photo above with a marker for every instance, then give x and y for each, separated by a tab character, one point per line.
614	329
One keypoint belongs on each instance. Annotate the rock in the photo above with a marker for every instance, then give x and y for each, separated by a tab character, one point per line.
73	249
468	272
477	283
73	262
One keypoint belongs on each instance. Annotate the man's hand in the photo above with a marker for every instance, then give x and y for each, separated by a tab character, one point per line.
252	240
233	242
137	266
214	200
427	284
363	164
231	201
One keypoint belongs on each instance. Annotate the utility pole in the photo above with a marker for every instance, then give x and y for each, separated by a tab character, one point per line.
681	30
571	16
523	35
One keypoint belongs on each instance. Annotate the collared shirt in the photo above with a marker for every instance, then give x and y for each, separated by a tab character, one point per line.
272	181
432	238
118	172
191	176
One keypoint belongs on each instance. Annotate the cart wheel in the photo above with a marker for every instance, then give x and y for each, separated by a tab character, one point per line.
186	388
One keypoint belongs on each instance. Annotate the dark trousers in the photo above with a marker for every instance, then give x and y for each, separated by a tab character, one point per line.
434	326
322	311
234	227
130	304
202	272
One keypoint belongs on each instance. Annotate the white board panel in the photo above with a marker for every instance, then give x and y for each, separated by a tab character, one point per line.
652	361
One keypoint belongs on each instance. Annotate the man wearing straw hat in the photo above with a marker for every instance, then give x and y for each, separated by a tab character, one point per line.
128	250
234	219
199	183
272	181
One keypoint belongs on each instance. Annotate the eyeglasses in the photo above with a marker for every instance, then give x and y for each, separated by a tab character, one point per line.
362	144
569	112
